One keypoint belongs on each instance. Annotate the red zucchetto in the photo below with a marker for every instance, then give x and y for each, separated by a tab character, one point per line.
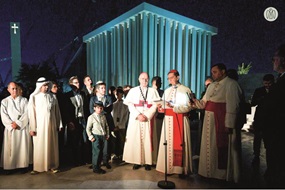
174	71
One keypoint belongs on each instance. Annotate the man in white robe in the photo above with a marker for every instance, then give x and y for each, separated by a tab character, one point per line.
45	122
138	146
17	143
220	154
176	125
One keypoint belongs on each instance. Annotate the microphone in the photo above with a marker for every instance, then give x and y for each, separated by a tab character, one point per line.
168	86
165	184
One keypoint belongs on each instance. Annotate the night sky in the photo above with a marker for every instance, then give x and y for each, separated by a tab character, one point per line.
51	27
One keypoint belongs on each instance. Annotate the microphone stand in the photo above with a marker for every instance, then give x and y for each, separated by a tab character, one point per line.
164	184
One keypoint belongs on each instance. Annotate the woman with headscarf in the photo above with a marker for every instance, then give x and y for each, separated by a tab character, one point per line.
45	122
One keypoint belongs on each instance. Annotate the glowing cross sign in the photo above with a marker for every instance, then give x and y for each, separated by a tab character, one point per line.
15	28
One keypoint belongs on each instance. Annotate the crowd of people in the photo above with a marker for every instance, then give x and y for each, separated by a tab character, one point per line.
144	126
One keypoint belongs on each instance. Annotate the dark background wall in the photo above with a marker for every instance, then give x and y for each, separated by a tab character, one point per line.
52	29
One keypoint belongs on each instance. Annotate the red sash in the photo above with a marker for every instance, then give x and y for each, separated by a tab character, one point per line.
143	103
178	136
219	110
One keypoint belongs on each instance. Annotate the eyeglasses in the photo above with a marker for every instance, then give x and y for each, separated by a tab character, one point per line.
75	83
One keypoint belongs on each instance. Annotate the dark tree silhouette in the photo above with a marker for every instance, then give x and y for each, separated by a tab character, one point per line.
29	74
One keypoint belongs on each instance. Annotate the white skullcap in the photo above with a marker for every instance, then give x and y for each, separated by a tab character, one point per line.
100	82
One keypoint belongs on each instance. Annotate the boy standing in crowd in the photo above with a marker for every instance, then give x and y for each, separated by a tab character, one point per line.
97	130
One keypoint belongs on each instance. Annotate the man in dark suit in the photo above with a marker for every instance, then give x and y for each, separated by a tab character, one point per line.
257	98
272	116
73	118
88	93
87	90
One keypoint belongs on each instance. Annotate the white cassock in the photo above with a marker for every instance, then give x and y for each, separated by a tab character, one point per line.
138	146
45	120
176	124
223	98
17	143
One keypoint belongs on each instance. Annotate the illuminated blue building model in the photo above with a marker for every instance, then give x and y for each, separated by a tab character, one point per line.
150	39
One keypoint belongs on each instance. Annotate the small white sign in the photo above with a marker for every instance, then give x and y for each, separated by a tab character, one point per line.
270	14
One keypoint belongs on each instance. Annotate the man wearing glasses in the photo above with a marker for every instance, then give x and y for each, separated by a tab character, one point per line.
176	126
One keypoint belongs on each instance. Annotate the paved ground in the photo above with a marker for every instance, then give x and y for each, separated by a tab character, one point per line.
121	176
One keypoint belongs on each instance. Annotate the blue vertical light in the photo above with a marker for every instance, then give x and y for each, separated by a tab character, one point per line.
125	55
129	51
198	63
203	65
168	49
155	38
208	61
144	41
178	48
185	57
133	53
193	59
160	46
172	47
150	47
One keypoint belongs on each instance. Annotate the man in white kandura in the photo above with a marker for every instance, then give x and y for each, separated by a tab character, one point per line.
219	154
138	146
17	143
176	124
45	122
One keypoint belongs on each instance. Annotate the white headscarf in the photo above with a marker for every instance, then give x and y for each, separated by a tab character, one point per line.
40	82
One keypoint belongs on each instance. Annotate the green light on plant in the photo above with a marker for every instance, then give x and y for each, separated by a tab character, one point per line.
243	68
